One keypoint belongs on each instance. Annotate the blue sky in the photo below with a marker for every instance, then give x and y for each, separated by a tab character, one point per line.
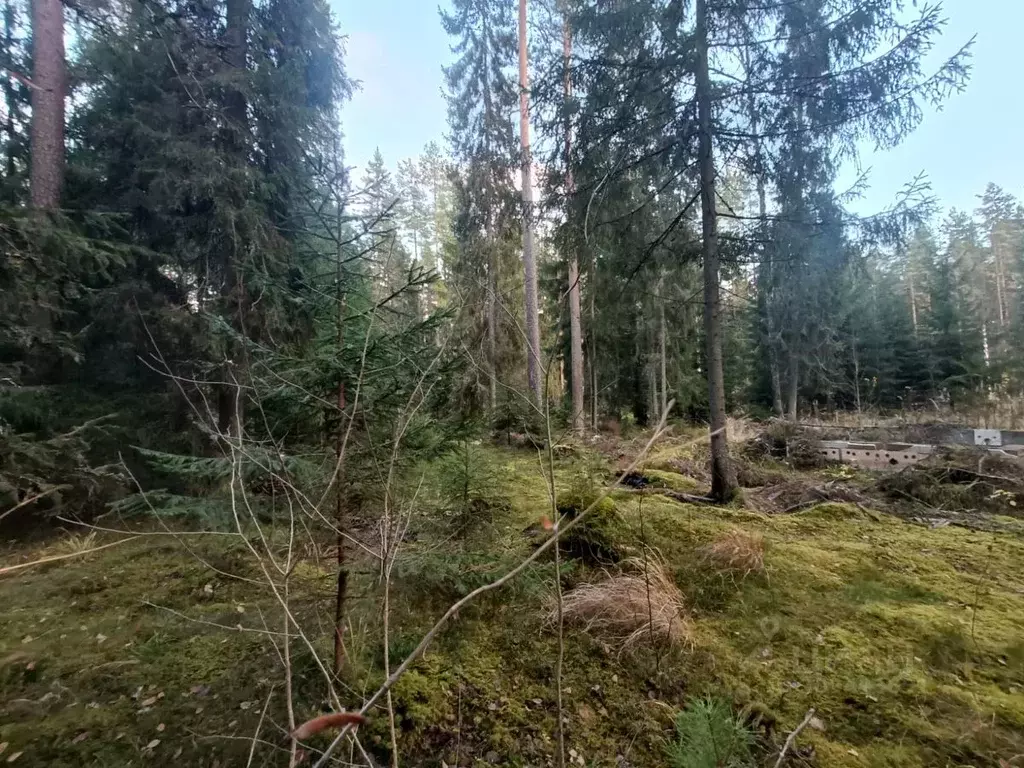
397	48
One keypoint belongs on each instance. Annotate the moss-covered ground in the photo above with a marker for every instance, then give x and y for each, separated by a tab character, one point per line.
907	640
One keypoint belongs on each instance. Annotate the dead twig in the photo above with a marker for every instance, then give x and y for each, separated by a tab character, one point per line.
688	498
259	727
54	558
792	736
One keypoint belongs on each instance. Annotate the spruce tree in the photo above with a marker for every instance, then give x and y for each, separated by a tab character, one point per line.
481	100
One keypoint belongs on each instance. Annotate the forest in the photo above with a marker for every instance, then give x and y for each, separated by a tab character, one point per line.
510	453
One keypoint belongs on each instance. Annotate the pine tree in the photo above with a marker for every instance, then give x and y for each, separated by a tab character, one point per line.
723	477
481	98
572	258
533	354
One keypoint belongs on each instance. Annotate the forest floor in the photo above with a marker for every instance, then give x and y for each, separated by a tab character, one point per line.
904	632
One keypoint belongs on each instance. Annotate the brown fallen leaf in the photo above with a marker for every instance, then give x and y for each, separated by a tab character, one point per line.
333	720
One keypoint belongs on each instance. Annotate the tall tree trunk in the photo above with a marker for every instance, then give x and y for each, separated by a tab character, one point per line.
491	303
231	403
776	379
654	400
49	78
533	365
236	39
1000	290
765	289
592	349
856	373
793	384
575	326
341	592
340	500
765	272
913	297
723	476
662	345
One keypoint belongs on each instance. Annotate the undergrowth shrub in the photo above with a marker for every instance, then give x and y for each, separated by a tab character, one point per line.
445	575
517	423
470	486
57	472
199	488
709	734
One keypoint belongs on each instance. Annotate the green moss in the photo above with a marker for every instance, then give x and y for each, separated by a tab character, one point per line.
595	539
833	511
907	641
673	481
81	671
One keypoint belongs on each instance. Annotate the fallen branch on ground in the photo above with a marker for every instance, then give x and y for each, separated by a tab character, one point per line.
792	736
54	558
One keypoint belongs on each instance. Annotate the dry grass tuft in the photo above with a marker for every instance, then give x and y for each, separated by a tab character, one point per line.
642	604
738	553
75	543
741	429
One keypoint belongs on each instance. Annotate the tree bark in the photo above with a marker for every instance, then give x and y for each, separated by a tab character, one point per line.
764	289
764	301
723	476
592	349
1000	292
340	505
776	379
662	346
856	373
913	296
764	276
575	325
49	78
236	38
490	303
230	398
793	384
533	365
